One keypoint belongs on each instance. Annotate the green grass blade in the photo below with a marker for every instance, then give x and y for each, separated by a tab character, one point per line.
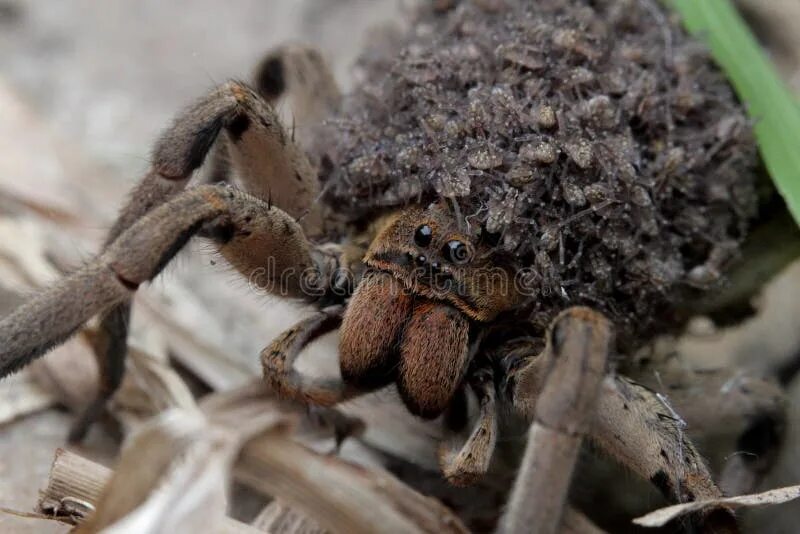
769	101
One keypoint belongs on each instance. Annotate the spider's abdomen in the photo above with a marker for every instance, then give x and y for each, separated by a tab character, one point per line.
597	139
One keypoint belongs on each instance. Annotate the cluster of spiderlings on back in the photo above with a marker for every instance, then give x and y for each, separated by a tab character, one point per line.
597	141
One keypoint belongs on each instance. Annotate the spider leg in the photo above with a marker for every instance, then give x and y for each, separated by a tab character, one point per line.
110	349
296	75
177	154
640	429
250	233
465	461
279	357
265	160
266	156
574	364
299	73
725	403
237	110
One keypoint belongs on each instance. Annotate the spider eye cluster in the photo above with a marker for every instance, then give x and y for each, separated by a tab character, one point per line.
454	251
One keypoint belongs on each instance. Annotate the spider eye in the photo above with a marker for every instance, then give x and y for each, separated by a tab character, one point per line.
457	252
423	235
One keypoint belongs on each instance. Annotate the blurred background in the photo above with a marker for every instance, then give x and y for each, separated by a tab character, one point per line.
86	86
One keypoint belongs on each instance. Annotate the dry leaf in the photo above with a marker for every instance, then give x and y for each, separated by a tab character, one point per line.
75	485
279	518
192	499
20	396
208	362
151	386
23	254
185	483
180	455
663	516
69	373
340	496
39	170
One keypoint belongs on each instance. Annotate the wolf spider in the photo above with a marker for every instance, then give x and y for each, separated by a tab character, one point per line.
420	289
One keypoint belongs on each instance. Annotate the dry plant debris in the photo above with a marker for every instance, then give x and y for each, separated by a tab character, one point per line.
189	457
659	518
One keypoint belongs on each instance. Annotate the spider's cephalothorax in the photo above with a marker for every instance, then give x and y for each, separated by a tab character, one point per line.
513	164
428	281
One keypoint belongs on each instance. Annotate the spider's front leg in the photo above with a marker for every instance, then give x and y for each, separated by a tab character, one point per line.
634	425
251	234
465	461
736	407
565	385
265	159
